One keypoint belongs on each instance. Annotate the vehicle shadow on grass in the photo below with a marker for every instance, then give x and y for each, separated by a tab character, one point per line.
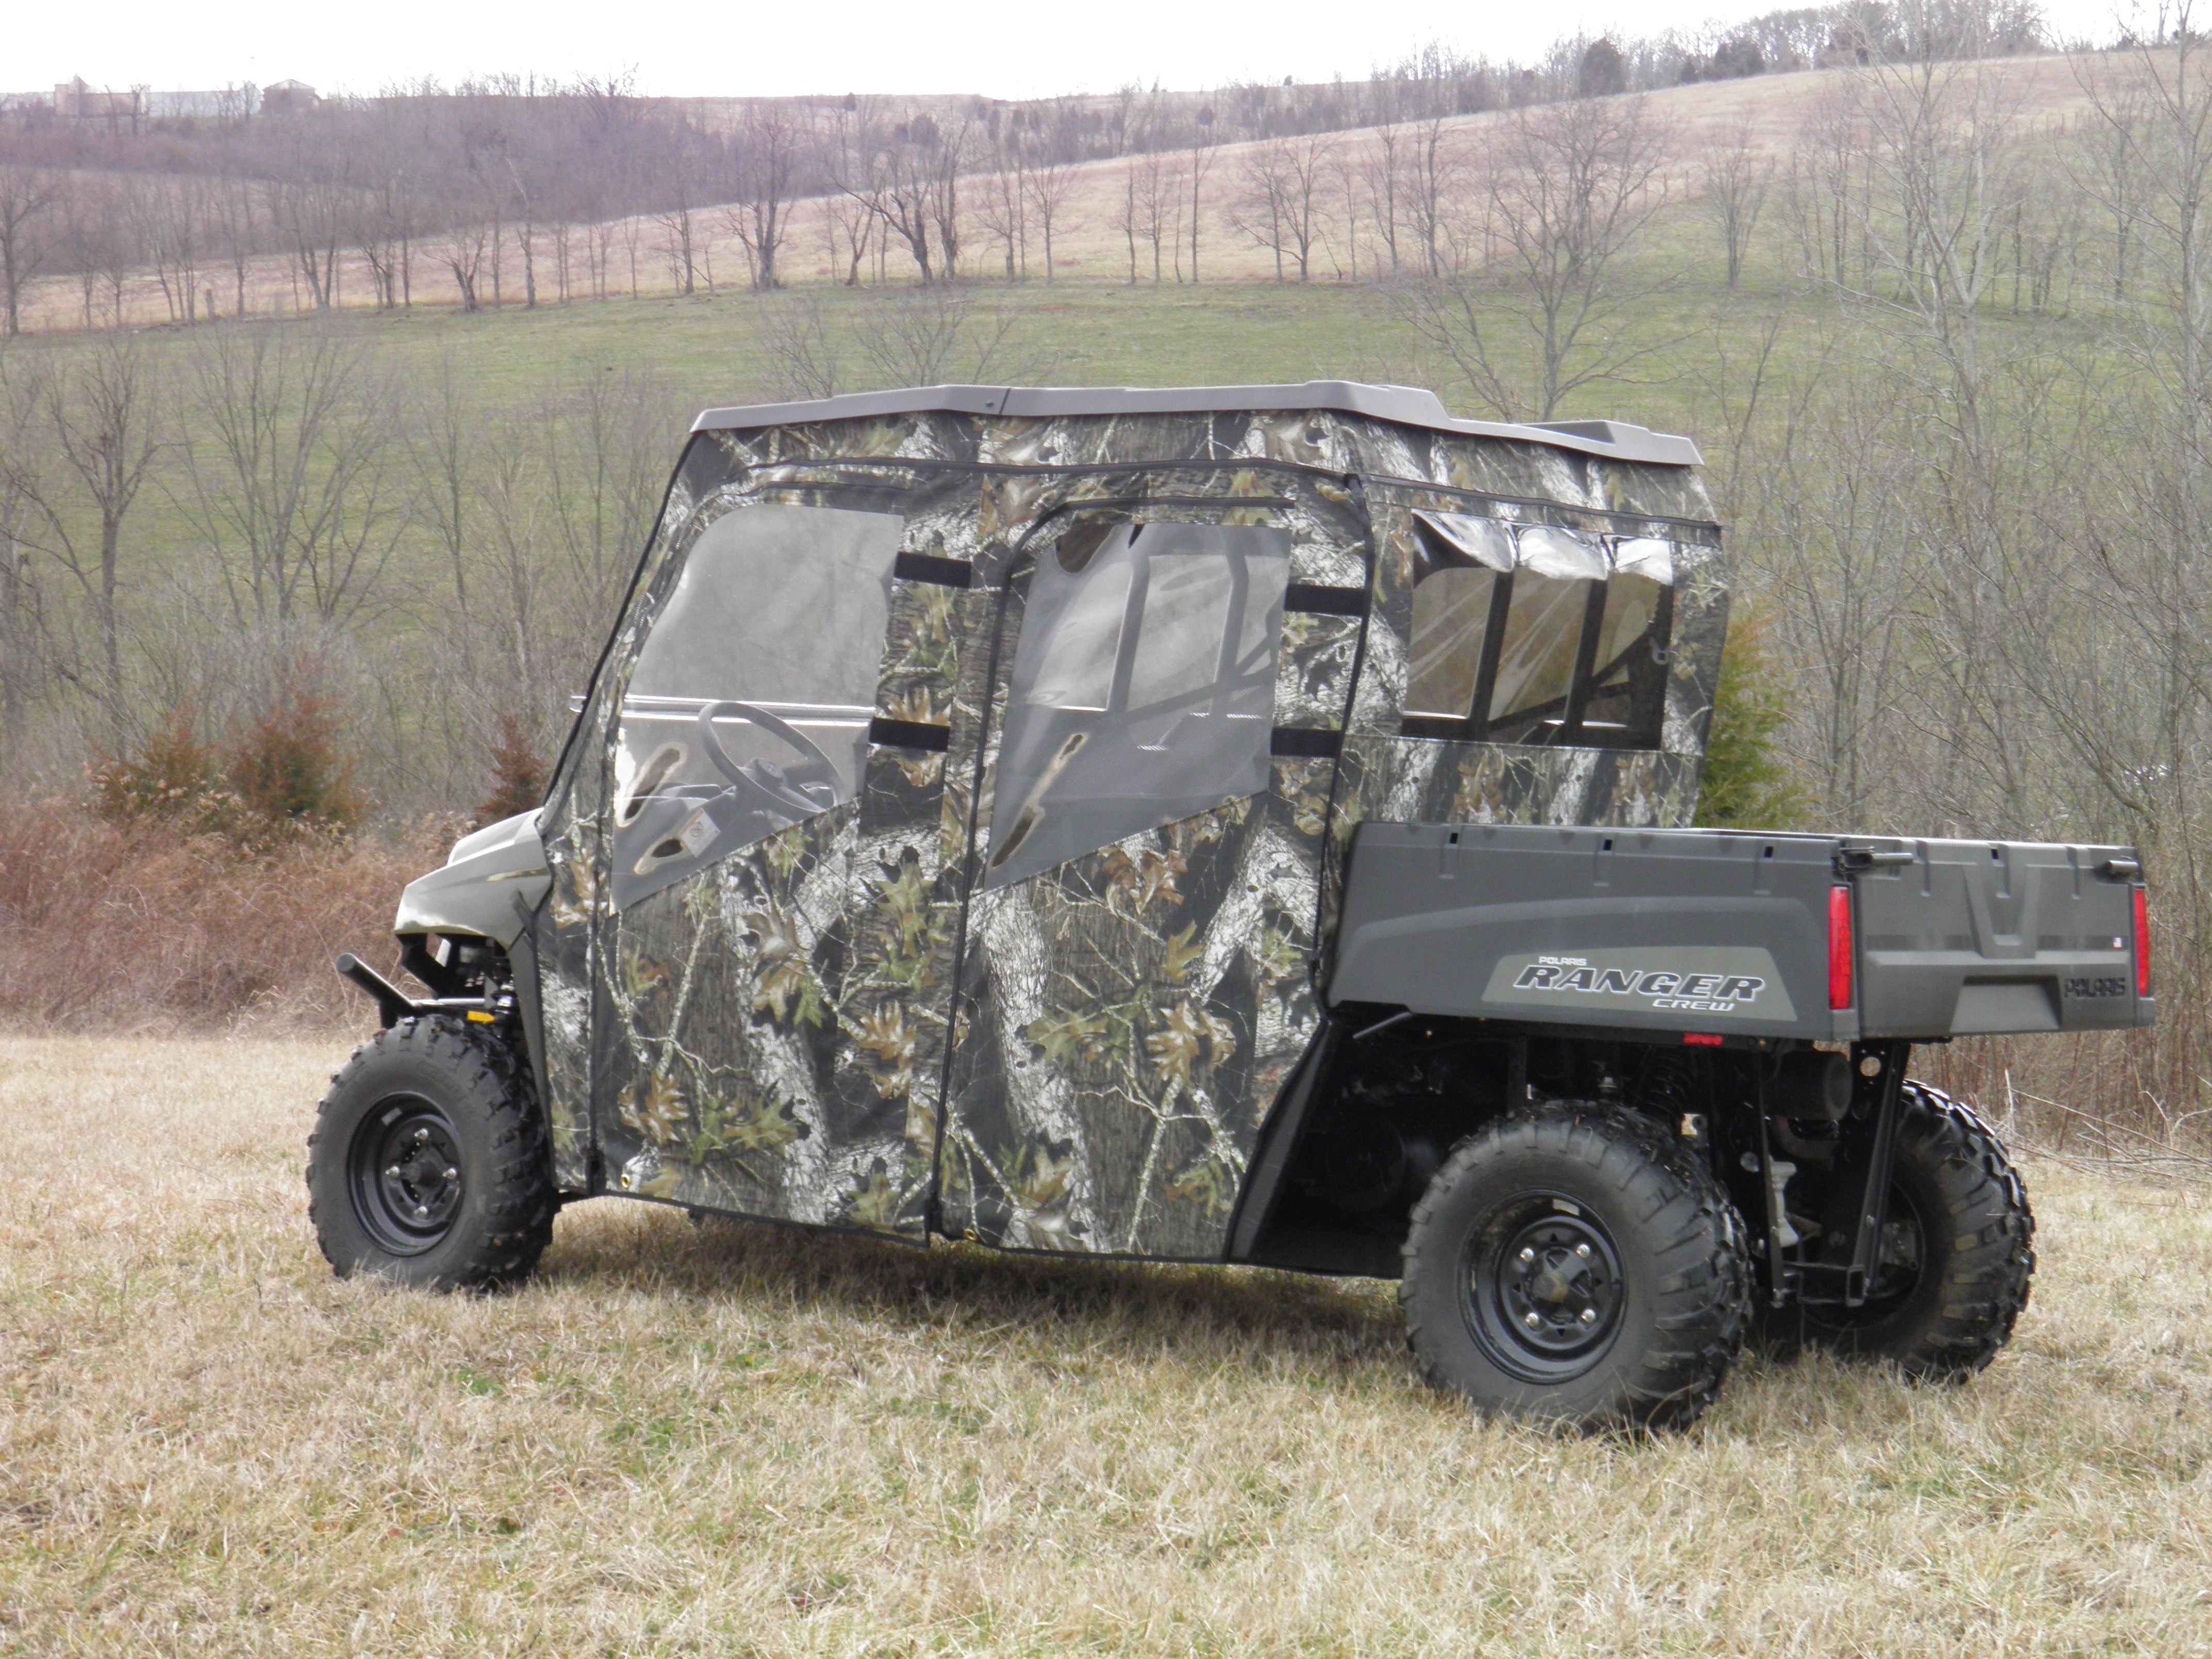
1134	1306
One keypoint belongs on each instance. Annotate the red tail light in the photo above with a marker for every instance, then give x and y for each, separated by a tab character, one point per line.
2142	943
1839	947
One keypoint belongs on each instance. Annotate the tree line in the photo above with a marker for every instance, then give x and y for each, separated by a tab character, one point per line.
508	190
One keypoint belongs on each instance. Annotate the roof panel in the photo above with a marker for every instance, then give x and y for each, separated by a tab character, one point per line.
1404	406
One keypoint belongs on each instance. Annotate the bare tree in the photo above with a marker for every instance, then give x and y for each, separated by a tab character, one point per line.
1347	175
681	231
1938	149
849	222
285	472
928	336
22	620
1436	166
384	229
1574	185
27	194
772	145
896	178
465	250
444	440
1279	206
1126	216
99	242
171	229
950	152
1002	207
1381	166
310	205
803	359
234	207
514	506
1047	182
104	423
1833	184
604	467
1200	164
1733	177
1158	211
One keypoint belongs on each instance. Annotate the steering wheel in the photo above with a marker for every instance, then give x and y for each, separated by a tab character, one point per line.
781	791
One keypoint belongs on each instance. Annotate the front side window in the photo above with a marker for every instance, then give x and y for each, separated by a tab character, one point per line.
1143	687
749	705
1534	635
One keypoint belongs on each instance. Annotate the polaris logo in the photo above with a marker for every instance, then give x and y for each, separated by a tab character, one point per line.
1681	980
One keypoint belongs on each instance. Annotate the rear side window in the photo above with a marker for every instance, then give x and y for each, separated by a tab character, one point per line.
1143	687
1531	633
748	709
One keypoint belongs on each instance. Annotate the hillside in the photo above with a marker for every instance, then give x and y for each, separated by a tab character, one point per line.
1769	120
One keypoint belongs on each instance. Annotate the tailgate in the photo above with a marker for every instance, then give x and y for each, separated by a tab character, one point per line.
1959	937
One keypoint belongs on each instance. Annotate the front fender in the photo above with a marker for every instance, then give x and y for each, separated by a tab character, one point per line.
477	891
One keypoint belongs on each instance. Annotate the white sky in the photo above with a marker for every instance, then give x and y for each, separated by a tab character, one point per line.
1001	48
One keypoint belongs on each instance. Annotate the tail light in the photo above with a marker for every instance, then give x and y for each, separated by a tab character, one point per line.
2142	942
1839	947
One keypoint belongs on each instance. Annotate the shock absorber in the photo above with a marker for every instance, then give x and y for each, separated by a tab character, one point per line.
1668	1088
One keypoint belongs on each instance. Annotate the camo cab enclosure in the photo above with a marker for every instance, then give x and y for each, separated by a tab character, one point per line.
956	819
1237	824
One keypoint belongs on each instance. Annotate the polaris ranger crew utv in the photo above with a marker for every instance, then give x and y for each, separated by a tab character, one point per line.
1238	824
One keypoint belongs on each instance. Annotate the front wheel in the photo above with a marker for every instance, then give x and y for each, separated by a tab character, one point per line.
1575	1263
429	1164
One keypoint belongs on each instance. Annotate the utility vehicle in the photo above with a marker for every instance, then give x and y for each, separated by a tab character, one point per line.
1238	824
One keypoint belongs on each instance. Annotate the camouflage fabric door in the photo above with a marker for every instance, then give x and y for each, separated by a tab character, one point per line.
750	1052
1134	983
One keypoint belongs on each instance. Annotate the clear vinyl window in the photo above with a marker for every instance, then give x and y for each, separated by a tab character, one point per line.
1143	687
1532	633
748	708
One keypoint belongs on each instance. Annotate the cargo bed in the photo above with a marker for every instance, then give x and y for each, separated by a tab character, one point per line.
1825	938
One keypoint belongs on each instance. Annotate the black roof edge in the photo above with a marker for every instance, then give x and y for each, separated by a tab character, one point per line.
1404	406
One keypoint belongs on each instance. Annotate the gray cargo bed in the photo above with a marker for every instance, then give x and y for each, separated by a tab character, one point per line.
1721	931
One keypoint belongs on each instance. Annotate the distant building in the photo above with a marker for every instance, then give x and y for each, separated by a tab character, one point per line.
289	98
75	101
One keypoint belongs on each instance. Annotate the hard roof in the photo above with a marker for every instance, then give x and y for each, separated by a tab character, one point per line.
1406	405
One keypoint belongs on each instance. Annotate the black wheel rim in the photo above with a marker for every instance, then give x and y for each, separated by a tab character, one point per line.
1900	1269
1543	1289
1901	1258
404	1171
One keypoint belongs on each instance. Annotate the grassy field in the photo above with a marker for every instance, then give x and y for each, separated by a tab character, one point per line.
733	1440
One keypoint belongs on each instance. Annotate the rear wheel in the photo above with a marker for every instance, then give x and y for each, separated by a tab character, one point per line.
429	1164
1576	1263
1957	1251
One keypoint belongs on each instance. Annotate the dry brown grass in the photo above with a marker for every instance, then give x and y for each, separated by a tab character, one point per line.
733	1440
149	929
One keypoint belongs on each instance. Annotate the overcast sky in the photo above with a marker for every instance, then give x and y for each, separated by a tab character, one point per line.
732	48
